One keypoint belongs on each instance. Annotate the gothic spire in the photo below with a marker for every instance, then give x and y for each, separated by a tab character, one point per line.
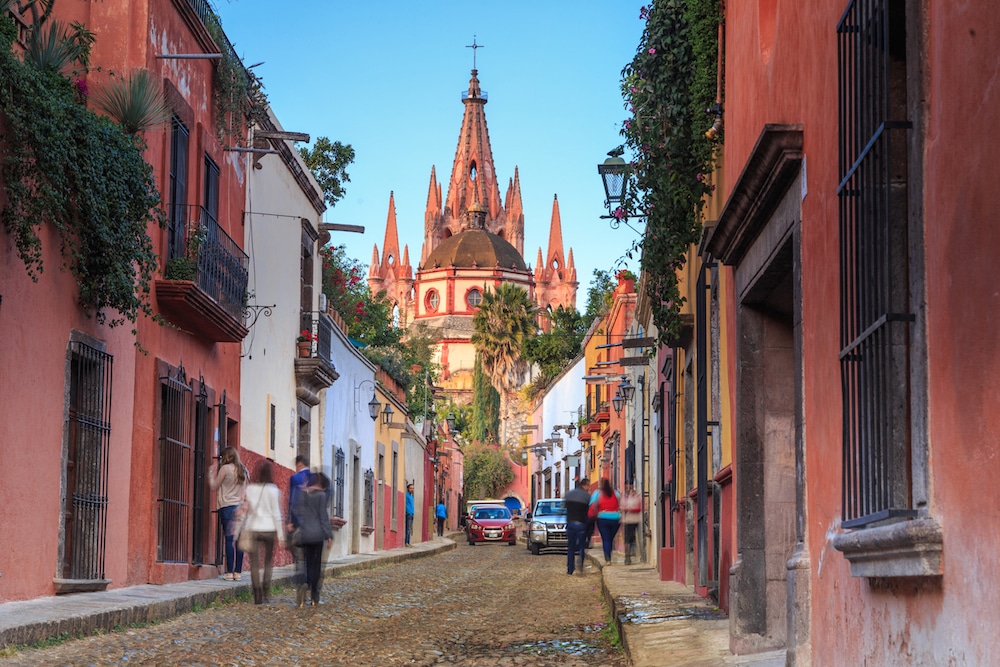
473	169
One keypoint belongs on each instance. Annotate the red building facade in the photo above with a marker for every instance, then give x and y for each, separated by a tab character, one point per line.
856	251
107	444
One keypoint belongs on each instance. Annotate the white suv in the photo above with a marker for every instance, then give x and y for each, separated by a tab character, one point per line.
547	526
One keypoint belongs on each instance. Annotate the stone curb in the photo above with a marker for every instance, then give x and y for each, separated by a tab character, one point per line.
86	613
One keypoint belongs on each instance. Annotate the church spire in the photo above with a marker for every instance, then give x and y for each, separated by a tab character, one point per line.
473	171
555	250
390	246
515	213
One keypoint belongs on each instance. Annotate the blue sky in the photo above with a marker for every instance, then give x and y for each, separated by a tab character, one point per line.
386	77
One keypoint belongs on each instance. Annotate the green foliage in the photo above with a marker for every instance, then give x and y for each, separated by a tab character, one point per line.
368	316
505	319
79	172
485	426
238	93
418	350
135	102
52	46
487	471
668	87
600	294
328	162
552	351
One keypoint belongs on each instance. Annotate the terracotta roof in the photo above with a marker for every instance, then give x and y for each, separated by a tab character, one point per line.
475	248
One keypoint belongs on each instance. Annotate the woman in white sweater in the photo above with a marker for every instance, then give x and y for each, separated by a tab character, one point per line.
263	519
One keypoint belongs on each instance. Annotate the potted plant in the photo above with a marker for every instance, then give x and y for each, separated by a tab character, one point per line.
626	280
304	342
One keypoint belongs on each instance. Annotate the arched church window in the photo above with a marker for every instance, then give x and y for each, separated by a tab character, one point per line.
474	298
555	263
432	301
472	171
395	316
390	259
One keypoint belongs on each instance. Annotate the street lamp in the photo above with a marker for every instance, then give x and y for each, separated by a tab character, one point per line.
617	402
373	405
626	389
387	414
451	422
614	173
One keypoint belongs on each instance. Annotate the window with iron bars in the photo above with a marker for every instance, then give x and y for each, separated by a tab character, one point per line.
89	440
173	503
369	497
875	312
339	473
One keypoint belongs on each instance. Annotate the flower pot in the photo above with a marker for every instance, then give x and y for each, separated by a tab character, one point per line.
305	348
626	285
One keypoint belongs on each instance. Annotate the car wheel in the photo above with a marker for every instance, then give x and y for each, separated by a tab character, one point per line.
536	548
511	544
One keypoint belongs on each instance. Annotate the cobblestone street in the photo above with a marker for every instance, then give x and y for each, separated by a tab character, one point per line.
479	606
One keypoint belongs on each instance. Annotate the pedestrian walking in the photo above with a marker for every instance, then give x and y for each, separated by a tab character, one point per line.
229	481
263	522
577	504
441	513
631	508
409	513
296	484
604	506
314	530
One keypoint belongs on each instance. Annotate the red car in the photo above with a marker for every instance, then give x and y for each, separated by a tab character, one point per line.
491	524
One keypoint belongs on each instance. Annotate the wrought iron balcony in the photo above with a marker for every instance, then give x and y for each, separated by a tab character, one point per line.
205	290
316	372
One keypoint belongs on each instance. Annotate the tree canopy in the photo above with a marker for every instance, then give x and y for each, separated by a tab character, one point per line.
328	160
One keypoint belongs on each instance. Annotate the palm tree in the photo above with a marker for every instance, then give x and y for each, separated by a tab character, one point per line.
506	317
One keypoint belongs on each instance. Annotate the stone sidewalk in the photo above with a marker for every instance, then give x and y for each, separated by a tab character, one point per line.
30	621
661	624
665	624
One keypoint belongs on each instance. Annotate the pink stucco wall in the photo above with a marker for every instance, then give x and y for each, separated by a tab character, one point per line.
782	68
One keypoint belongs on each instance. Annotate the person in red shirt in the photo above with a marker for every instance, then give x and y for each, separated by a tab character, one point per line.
605	501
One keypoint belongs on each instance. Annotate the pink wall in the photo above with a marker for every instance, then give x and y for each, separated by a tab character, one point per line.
782	68
35	324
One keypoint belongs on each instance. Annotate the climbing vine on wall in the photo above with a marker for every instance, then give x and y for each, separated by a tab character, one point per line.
668	88
238	93
70	168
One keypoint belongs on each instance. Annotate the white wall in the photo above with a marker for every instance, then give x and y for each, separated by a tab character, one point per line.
275	206
348	425
559	407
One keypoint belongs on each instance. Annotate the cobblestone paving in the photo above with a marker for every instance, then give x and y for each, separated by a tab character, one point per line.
478	606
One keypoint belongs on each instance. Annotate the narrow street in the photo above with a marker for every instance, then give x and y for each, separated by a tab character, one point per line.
479	606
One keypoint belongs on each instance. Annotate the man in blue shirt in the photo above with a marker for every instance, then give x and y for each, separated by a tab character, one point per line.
409	513
441	513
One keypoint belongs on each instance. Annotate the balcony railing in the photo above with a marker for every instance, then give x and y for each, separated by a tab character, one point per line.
315	372
222	264
205	286
321	327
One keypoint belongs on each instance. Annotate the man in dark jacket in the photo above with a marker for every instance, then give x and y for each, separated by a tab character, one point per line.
577	503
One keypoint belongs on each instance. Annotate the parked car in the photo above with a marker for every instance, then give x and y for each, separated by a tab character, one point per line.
547	525
472	505
491	523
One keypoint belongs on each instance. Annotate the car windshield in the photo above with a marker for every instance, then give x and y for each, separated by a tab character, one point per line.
551	508
492	513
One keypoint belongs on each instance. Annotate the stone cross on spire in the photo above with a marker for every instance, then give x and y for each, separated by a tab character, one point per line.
474	46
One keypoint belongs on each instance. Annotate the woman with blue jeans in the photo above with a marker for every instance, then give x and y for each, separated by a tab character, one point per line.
229	481
605	502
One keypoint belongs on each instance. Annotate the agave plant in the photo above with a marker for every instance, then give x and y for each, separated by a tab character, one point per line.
135	102
52	47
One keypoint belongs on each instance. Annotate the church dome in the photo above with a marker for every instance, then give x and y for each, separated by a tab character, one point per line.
475	248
